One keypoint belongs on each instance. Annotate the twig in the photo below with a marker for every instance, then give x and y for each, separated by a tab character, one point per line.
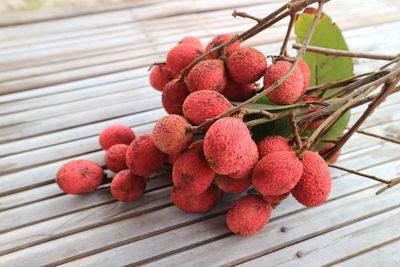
236	13
296	136
344	53
386	90
372	97
287	36
359	173
275	84
264	113
392	183
390	139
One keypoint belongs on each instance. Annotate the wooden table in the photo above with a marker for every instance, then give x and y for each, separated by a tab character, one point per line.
65	76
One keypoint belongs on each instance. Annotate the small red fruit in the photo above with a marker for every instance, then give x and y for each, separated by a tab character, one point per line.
115	158
173	96
182	55
234	186
246	65
125	186
221	39
160	76
238	92
196	203
114	135
272	144
207	75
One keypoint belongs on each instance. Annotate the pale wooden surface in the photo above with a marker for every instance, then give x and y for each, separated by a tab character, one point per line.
64	77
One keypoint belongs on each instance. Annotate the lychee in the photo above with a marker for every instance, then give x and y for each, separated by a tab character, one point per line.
79	176
115	158
238	92
198	143
125	186
173	96
275	199
114	135
219	40
305	70
205	104
182	55
226	145
196	203
160	76
234	186
191	40
171	159
171	134
246	65
191	172
248	215
143	157
207	75
251	161
272	144
277	173
290	90
315	183
334	158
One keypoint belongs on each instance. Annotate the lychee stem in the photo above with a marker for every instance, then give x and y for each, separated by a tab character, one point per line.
287	36
359	174
296	137
236	13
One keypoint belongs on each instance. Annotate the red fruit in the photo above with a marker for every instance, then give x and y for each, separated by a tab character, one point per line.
79	176
275	199
160	76
198	143
171	159
114	135
248	215
251	161
125	186
290	90
272	144
277	173
238	92
315	184
326	150
171	134
191	40
221	39
173	96
226	145
191	172
143	157
196	203
205	104
246	65
234	186
115	158
207	75
305	70
182	55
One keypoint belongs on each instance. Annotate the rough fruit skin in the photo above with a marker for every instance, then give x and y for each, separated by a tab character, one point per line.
173	157
326	150
198	143
315	184
238	92
143	157
160	76
191	172
246	65
290	90
182	55
205	104
207	75
125	186
251	161
306	74
114	135
234	186
196	203
221	39
115	158
272	144
173	96
276	199
277	173
226	145
191	40
79	176
170	134
248	215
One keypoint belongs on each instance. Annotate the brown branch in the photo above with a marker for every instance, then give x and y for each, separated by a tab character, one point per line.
392	183
386	90
390	139
296	136
287	36
236	13
344	53
264	113
372	97
359	173
275	84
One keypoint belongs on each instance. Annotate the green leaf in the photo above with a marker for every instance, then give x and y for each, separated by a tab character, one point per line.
328	35
277	127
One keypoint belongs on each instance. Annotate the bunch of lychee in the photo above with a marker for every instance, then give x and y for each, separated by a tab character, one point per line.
221	158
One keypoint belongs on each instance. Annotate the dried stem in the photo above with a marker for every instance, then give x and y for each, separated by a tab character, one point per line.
359	174
287	36
392	183
236	13
295	133
390	139
344	53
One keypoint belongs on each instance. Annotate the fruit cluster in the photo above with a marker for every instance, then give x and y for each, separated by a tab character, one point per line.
223	158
